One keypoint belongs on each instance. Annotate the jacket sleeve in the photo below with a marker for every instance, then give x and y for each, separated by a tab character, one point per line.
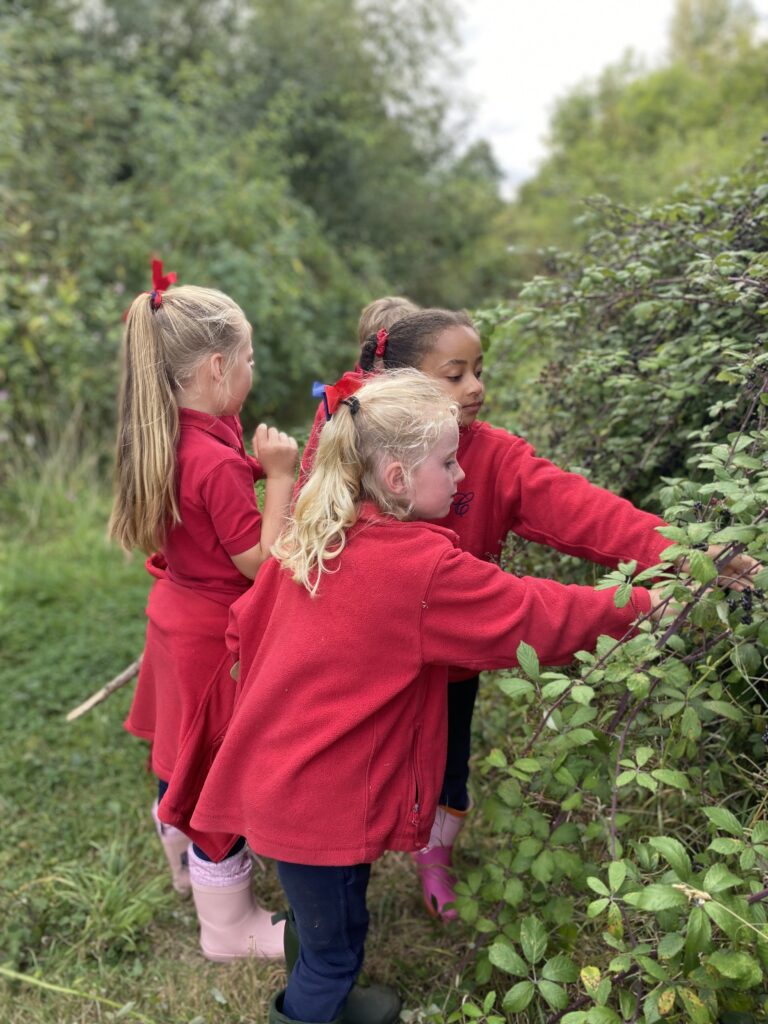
565	511
475	615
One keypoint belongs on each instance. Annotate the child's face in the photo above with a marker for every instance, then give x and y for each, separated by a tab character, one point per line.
239	380
456	362
433	483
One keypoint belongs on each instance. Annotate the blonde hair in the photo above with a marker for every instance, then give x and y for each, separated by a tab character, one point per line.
383	313
162	350
401	416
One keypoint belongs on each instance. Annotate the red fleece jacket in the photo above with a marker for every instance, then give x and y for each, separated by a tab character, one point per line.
336	748
507	489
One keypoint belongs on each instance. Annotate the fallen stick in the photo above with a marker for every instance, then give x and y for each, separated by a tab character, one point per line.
114	684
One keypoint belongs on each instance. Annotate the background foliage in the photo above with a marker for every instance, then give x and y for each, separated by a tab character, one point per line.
633	786
293	154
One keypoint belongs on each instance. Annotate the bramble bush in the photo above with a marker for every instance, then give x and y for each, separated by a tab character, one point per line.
631	874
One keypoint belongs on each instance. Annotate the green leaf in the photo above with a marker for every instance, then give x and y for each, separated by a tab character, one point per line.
582	694
738	966
504	956
724	820
671	778
496	758
602	1015
554	995
624	778
623	595
575	1017
598	885
673	851
647	782
722	844
724	709
528	660
701	567
656	897
597	906
697	1012
670	946
617	872
643	755
690	726
518	997
533	939
698	934
724	920
560	968
719	878
514	687
551	691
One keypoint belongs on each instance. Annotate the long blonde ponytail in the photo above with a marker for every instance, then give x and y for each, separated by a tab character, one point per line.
162	349
395	416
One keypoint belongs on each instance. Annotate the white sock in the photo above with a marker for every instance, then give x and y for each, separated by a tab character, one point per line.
226	872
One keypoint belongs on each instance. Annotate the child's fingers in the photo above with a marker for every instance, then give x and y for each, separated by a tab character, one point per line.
739	572
276	450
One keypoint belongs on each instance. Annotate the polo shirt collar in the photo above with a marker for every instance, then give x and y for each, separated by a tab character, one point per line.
220	427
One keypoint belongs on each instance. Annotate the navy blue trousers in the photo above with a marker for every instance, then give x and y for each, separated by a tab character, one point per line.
332	922
461	705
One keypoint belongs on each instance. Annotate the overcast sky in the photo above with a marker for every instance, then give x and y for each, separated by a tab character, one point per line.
521	55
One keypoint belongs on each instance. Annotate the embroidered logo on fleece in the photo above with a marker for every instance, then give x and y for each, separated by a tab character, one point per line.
461	502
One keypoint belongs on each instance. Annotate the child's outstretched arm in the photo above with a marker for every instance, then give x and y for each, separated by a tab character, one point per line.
278	453
565	511
476	615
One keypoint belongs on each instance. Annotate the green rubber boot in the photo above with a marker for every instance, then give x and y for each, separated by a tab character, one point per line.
366	1003
278	1017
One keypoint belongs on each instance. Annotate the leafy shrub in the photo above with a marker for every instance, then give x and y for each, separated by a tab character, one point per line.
630	883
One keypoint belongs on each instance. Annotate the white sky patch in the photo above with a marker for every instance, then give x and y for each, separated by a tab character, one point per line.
522	55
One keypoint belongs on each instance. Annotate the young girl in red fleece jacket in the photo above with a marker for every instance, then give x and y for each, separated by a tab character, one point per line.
336	748
185	488
507	489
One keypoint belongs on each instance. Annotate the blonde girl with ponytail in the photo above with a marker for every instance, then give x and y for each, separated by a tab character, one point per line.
336	748
184	493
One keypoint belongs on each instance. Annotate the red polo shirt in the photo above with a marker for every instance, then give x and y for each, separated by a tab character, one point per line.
217	503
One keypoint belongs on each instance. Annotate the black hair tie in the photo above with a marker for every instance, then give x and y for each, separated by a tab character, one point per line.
353	403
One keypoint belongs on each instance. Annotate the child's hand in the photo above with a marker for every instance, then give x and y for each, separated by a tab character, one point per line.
738	572
662	607
276	451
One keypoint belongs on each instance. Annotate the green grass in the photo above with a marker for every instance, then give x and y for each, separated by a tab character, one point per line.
86	904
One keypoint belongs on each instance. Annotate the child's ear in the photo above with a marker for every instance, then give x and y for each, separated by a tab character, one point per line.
394	478
216	367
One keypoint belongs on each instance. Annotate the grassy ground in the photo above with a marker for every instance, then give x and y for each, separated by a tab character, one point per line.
87	913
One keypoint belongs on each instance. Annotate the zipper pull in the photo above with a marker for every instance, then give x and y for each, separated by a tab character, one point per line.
415	814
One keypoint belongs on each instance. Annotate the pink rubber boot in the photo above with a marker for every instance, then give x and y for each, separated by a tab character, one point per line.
434	863
175	846
232	925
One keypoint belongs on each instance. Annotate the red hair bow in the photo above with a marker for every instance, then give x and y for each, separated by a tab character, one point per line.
160	283
381	342
334	394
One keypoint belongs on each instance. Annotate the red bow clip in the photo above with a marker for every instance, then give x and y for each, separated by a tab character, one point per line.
333	394
381	342
160	283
